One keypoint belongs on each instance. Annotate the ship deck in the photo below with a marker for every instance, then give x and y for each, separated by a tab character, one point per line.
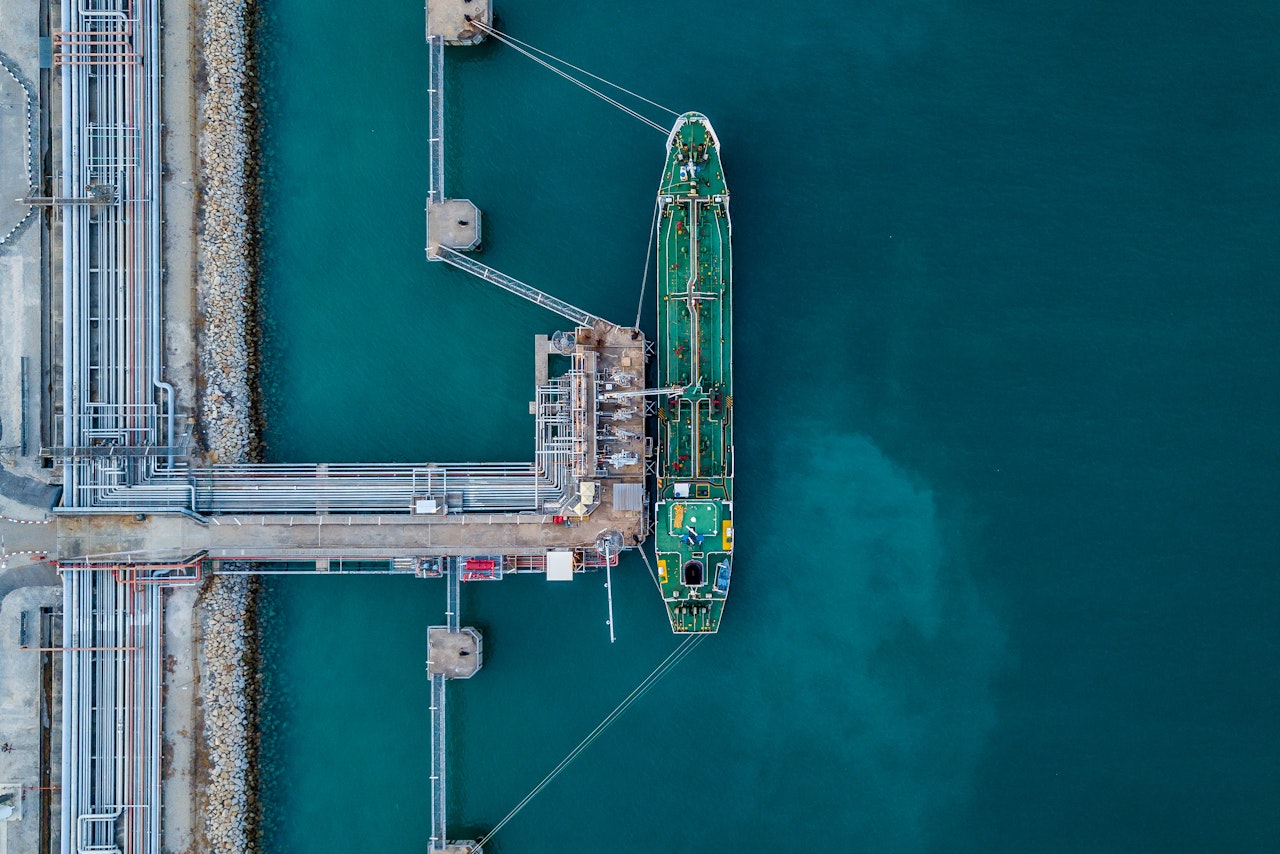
694	525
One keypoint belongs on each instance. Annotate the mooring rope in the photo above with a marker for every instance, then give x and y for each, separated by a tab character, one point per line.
564	62
652	574
624	108
675	657
648	257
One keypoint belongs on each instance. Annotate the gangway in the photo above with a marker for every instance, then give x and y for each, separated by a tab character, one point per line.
435	46
517	287
454	599
452	653
438	832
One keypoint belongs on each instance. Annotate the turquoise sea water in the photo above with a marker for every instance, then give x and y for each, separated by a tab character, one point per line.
1009	464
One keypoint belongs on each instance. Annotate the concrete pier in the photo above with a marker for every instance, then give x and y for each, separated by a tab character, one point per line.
451	20
541	355
336	538
453	224
454	655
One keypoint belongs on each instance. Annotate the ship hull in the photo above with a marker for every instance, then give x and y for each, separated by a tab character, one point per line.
693	511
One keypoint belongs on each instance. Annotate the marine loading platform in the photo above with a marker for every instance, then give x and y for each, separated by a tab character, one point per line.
124	449
141	510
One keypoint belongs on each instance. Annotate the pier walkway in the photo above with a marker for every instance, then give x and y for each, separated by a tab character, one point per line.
334	537
453	652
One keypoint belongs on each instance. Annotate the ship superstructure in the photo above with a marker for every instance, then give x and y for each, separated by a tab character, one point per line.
694	503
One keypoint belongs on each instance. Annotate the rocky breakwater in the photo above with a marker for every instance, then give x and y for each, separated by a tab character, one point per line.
226	408
227	680
226	236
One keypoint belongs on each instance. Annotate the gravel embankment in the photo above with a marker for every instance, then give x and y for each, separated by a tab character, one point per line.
225	244
226	353
226	686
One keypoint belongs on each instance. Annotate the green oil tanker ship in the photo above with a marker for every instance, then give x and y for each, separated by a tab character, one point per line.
693	513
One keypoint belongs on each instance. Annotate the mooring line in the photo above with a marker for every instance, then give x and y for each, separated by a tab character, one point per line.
648	258
579	83
649	566
673	658
570	77
581	70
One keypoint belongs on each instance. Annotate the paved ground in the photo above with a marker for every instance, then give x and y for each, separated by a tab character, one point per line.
179	725
20	307
19	56
24	486
178	105
15	176
31	575
457	655
454	224
448	18
180	730
20	716
28	533
25	584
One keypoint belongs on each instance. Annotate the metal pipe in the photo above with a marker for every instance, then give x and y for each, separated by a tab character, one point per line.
86	12
83	820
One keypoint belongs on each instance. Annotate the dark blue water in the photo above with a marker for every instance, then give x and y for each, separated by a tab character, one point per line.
1009	463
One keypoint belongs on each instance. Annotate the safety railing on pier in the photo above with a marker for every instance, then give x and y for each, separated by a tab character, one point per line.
476	487
517	287
335	489
435	91
132	476
438	749
453	603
